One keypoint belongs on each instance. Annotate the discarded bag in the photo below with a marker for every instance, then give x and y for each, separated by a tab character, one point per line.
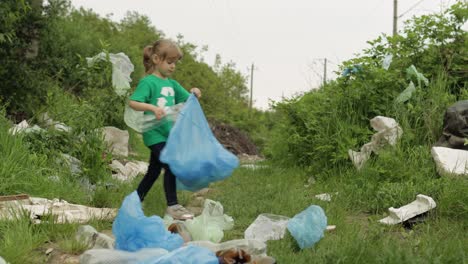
211	223
141	122
308	226
134	231
187	255
193	153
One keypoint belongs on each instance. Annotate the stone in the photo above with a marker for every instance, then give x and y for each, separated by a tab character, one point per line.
450	161
129	171
73	163
117	140
24	127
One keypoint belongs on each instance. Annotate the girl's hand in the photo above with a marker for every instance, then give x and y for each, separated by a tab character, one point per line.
196	91
158	112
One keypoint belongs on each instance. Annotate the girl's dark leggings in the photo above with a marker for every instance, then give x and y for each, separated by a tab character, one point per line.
154	169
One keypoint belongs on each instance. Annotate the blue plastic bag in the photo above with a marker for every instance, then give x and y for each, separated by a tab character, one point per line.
308	226
187	255
134	231
193	153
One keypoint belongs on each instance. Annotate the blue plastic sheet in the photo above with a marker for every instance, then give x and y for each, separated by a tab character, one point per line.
193	153
308	226
187	255
134	231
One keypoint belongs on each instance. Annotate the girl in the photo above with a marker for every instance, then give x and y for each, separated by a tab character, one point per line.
155	91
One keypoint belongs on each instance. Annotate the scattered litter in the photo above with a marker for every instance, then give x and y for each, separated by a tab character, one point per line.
406	94
141	122
387	61
129	171
253	166
73	163
267	227
188	255
180	228
331	228
93	238
308	226
421	205
413	72
122	67
251	246
62	211
310	181
388	132
117	140
51	123
246	158
134	231
48	251
24	127
109	256
193	153
211	223
325	196
2	261
450	161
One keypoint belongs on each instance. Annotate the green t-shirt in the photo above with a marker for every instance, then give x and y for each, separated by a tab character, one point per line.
160	92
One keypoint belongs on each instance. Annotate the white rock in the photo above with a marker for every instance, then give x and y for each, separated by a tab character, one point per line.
117	140
73	163
51	123
24	127
421	205
450	161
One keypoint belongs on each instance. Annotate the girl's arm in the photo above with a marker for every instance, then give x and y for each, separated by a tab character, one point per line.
139	106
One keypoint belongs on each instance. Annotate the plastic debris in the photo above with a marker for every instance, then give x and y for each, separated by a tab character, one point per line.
267	227
413	72
134	231
93	238
450	161
128	171
387	61
421	205
308	226
2	261
253	166
327	197
187	255
109	256
388	133
24	127
141	122
62	211
406	94
122	67
251	246
211	223
51	123
193	153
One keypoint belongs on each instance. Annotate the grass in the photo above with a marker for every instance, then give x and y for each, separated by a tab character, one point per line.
359	238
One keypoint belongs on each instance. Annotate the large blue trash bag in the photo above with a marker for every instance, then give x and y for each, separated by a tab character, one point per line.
134	231
187	255
193	153
308	226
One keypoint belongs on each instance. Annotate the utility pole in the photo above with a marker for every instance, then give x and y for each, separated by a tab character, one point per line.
325	71
395	17
251	85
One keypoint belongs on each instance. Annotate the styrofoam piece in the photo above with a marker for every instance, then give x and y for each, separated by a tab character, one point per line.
421	205
331	228
450	161
267	227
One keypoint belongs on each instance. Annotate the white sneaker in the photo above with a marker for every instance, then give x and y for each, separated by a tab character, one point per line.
179	212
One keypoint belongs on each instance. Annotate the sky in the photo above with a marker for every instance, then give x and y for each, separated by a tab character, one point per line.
286	41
